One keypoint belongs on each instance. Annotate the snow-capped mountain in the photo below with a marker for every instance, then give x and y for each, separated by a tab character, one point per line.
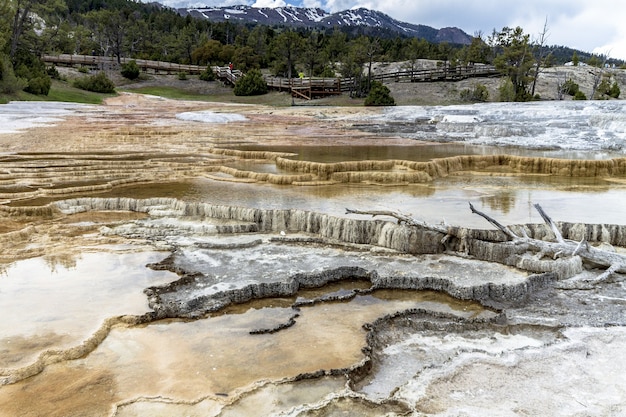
315	17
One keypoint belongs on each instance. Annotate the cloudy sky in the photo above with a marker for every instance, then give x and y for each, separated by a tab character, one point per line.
597	26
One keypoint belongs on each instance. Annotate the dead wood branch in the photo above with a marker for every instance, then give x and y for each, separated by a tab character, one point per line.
614	262
594	257
497	224
402	219
448	231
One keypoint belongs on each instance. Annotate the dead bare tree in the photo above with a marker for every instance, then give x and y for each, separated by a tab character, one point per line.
597	76
614	262
540	57
561	78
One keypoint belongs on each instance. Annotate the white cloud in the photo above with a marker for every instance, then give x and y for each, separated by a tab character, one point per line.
313	4
269	3
339	5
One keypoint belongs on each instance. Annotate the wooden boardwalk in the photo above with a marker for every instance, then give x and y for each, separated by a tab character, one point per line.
111	62
310	88
158	67
305	88
458	73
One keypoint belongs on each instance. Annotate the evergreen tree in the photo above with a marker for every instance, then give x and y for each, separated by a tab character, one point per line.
130	70
286	48
352	65
379	95
251	84
515	60
313	54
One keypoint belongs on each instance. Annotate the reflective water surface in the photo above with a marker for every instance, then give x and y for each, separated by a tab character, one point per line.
56	303
77	338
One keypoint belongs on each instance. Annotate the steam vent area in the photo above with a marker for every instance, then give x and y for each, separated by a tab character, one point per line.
173	258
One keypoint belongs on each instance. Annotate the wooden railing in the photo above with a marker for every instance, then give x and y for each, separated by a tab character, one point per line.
223	73
226	74
308	87
144	64
438	74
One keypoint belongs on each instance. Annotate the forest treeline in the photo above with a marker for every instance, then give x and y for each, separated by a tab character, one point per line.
123	28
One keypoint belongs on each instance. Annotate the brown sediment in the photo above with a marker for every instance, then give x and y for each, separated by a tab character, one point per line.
264	177
52	356
29	176
441	167
98	389
271	355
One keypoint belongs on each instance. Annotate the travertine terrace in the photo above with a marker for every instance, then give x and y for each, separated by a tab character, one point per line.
157	265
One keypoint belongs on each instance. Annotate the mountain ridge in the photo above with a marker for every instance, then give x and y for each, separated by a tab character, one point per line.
317	18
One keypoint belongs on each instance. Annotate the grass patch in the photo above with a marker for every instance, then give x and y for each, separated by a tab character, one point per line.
217	95
168	92
62	91
59	91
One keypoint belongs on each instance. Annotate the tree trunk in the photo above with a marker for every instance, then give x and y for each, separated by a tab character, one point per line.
18	26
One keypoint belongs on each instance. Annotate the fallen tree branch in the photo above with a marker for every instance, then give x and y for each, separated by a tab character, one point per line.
550	223
448	231
494	222
402	218
613	262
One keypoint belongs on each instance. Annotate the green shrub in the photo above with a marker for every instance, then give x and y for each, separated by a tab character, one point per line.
83	70
607	89
506	91
379	95
478	94
182	76
614	91
251	84
130	70
36	78
570	87
580	95
53	72
207	75
39	85
98	83
9	83
22	71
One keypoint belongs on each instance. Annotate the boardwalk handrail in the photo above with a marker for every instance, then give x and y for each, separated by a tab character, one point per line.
90	60
439	73
415	75
229	75
223	73
287	83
